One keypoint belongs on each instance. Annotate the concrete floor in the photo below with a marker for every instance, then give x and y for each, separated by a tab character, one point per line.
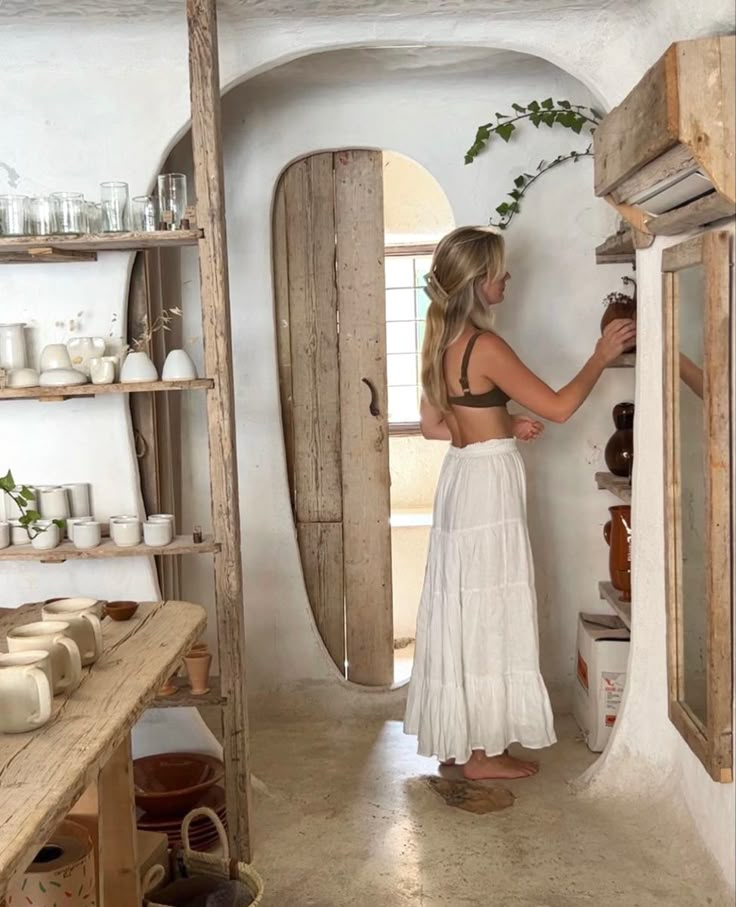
344	819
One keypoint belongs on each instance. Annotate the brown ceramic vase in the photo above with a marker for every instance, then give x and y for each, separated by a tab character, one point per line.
198	671
617	532
619	452
616	310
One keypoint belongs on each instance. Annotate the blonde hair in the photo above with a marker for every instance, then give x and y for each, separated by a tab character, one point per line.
461	262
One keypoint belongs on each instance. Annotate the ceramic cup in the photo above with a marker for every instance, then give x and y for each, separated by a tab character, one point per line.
4	535
84	625
102	370
157	517
73	521
25	691
157	533
53	502
53	637
79	502
87	534
47	535
12	511
55	355
125	532
23	377
94	606
19	534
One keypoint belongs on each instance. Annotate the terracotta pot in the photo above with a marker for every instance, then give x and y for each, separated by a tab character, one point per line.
619	310
619	452
617	532
198	671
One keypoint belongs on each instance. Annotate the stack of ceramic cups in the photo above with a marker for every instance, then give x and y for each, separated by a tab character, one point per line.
69	503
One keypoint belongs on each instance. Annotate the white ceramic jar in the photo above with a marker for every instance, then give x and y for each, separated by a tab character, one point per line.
157	533
125	531
138	367
102	370
4	535
74	521
25	691
13	346
178	367
51	636
87	534
19	533
79	500
46	535
53	502
84	625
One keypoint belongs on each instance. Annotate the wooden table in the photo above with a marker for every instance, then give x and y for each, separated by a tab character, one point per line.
86	744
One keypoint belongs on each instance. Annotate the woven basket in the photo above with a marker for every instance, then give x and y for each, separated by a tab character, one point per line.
212	866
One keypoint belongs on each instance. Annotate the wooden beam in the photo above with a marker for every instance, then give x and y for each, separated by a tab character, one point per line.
204	73
117	841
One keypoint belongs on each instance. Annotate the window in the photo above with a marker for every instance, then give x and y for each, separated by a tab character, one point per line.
406	309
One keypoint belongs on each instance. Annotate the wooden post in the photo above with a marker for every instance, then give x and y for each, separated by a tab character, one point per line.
117	840
204	73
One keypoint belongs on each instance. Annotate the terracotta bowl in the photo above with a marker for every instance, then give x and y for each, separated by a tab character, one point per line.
170	784
121	610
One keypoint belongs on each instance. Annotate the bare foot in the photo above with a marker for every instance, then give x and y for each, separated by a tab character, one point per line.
481	767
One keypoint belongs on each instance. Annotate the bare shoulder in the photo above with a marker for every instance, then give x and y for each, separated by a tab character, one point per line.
491	344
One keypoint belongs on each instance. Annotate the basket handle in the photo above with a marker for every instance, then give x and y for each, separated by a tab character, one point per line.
153	878
214	819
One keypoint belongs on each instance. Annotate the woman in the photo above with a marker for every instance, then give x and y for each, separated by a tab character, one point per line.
476	686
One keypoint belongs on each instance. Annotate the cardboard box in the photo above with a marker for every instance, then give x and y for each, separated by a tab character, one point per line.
600	675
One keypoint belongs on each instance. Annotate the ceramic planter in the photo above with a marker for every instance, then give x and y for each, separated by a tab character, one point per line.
617	532
619	452
138	368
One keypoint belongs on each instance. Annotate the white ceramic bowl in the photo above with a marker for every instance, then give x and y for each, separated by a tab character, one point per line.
59	377
23	377
54	356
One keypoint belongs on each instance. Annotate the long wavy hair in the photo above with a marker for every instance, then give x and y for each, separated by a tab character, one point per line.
461	262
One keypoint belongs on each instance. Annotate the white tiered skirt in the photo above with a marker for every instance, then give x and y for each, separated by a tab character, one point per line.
476	682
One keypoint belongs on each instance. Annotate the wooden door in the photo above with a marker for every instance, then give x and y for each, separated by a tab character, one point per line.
330	311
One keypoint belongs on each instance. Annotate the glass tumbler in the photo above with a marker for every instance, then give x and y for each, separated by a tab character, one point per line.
114	198
41	216
94	217
13	215
70	213
172	200
145	213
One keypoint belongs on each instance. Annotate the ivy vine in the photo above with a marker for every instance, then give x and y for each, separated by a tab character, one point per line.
574	117
22	496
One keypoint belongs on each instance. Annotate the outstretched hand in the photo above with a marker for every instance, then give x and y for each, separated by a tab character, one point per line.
526	428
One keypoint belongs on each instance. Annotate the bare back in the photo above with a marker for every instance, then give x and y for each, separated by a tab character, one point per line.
470	424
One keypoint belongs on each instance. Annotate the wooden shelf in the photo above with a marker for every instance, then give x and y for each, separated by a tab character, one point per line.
610	595
182	544
625	360
85	246
185	697
65	392
617	250
617	485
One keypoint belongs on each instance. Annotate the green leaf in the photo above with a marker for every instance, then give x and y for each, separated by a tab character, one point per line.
7	482
518	108
548	119
505	131
502	208
534	107
502	116
536	118
60	523
577	126
26	493
519	182
565	104
483	134
515	194
548	104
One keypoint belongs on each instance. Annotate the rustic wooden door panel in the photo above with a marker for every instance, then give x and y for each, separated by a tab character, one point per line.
320	546
364	416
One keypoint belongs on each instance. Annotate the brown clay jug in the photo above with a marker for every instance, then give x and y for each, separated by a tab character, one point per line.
623	307
617	532
619	452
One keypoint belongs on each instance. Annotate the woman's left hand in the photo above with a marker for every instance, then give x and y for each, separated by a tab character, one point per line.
526	429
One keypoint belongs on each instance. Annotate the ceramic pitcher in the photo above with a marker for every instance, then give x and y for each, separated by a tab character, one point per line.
25	691
617	532
84	625
51	636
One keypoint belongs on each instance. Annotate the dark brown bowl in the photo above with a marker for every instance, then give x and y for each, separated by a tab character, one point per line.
170	784
121	610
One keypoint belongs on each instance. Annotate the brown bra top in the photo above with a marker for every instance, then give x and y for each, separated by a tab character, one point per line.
493	397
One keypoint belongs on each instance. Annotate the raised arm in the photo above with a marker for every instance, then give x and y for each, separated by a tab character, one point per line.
504	368
692	375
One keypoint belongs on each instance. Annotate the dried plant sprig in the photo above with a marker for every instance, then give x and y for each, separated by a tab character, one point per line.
161	323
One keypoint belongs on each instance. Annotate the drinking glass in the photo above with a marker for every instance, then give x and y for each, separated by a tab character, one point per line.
172	200
70	213
145	213
114	198
94	217
13	215
41	216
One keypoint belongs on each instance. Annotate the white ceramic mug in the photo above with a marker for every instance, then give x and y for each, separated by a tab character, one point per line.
125	531
87	534
157	533
25	691
19	533
84	603
79	502
4	535
53	502
46	535
53	637
73	521
102	370
84	625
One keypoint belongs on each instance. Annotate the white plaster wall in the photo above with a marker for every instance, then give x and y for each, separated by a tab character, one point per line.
103	100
